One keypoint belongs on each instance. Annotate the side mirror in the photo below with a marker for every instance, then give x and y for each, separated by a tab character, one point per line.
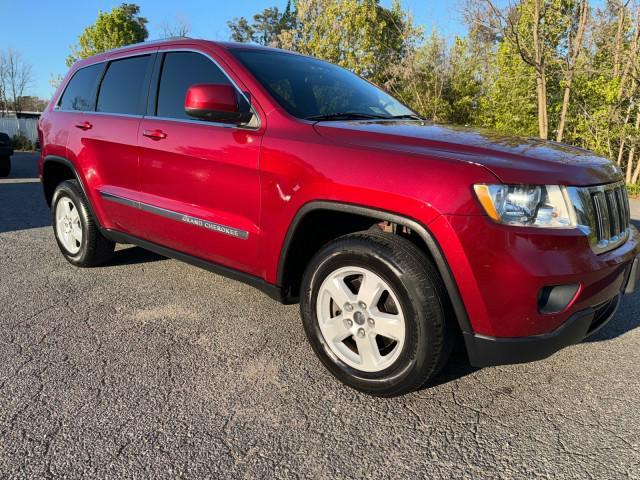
216	103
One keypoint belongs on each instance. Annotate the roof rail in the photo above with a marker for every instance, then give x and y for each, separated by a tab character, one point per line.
145	43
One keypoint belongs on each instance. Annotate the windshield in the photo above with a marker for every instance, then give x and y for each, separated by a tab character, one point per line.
315	90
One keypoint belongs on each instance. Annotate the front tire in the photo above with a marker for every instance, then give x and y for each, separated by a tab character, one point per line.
76	231
375	312
5	166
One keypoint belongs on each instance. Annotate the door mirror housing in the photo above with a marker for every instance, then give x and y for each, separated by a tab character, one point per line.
216	103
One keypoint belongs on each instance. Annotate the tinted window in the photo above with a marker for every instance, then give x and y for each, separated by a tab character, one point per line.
180	70
81	90
307	87
124	86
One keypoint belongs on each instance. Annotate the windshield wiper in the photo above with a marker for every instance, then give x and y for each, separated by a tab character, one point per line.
345	116
410	116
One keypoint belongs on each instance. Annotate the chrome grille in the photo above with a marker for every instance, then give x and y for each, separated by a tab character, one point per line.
603	211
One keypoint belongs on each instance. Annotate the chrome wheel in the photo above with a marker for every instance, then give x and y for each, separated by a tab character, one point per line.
68	225
361	319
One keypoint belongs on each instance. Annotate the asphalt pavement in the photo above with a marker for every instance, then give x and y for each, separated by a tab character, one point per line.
148	367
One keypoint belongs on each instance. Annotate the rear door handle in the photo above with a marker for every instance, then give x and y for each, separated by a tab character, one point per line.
84	126
154	134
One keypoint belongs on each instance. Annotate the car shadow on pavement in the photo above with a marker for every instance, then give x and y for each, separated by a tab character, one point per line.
627	318
132	256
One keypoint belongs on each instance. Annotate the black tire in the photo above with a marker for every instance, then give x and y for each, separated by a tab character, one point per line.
5	166
420	291
95	249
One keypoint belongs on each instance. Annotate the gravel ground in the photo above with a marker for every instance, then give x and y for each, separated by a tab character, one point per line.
152	368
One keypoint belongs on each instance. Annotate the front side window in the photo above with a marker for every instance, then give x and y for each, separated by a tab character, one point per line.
81	90
312	89
123	89
180	70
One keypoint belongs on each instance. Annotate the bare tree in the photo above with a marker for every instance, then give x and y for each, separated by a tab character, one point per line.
4	102
180	28
17	77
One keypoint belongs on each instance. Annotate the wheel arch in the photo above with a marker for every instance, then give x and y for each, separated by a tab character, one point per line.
55	170
428	243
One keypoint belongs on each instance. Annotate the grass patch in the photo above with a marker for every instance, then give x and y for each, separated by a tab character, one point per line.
634	190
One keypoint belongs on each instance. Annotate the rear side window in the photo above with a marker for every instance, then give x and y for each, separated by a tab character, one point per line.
180	70
124	86
81	91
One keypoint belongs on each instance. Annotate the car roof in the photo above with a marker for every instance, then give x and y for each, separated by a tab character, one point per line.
176	41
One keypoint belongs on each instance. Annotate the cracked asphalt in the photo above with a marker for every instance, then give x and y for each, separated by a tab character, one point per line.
149	367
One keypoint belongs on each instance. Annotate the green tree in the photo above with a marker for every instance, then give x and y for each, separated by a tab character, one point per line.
265	28
121	26
510	103
359	35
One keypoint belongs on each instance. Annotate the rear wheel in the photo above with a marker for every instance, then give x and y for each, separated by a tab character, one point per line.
76	232
375	311
5	165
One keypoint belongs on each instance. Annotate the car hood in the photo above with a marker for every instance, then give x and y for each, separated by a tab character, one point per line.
511	159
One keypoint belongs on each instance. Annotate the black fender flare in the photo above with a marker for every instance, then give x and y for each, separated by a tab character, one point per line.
69	164
432	245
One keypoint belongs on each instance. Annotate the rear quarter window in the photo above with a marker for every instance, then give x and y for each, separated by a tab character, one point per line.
80	92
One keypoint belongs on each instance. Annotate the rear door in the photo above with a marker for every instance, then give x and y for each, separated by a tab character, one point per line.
199	181
104	140
72	108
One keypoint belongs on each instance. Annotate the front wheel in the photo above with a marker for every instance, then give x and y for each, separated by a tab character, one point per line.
375	312
5	166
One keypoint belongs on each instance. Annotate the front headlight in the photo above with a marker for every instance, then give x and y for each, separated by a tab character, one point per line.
545	206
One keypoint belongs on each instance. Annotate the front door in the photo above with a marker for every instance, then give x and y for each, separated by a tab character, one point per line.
199	181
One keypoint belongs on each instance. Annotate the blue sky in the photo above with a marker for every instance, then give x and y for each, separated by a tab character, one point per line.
43	30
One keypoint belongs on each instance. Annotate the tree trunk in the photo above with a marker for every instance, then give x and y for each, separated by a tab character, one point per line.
575	47
632	151
565	109
620	153
618	39
541	90
541	76
636	174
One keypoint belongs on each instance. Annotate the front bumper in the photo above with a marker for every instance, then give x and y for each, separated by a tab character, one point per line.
500	272
486	351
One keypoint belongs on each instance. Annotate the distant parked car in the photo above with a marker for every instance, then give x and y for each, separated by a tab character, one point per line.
6	150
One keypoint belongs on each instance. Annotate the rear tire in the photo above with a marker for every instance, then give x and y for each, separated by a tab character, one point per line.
375	312
76	231
5	166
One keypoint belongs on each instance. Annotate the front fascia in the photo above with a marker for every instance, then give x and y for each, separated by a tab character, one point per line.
501	269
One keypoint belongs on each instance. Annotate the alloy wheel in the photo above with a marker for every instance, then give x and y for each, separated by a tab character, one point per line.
68	225
361	319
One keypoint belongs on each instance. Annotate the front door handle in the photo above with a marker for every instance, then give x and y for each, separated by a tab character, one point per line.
84	126
154	134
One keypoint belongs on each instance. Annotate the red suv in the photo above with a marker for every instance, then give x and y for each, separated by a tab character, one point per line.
302	179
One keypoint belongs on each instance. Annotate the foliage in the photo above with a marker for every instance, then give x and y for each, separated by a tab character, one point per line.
122	26
20	142
510	101
266	27
634	190
359	35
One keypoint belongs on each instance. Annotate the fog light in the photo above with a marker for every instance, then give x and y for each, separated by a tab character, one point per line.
556	299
